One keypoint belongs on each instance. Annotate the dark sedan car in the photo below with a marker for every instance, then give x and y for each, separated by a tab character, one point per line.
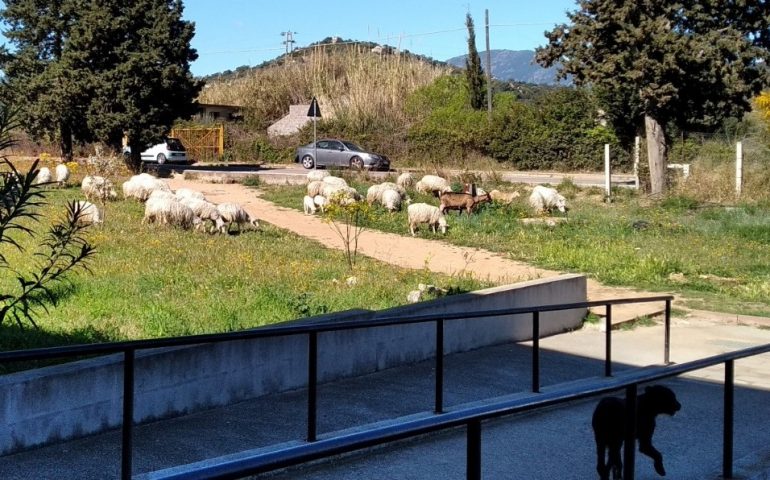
339	153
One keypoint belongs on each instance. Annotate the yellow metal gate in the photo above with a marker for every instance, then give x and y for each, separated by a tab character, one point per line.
202	144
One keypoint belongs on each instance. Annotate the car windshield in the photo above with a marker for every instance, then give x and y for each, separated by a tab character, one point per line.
353	146
174	144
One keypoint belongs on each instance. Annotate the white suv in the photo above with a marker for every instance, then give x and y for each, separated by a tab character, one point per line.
171	151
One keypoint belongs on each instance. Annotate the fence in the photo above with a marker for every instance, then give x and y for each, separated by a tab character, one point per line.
202	144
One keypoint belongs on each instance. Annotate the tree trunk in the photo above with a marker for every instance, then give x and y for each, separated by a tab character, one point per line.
657	154
65	142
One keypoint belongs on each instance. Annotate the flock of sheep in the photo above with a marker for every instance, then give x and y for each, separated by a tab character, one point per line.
184	208
323	189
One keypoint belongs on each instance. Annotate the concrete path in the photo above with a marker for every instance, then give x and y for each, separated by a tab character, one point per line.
554	443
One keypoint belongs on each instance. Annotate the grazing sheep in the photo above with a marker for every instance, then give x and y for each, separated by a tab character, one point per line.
405	180
336	181
62	174
43	176
96	187
505	198
89	214
161	194
374	193
391	200
168	211
423	213
314	188
432	184
316	175
189	193
461	201
341	194
205	211
234	213
142	185
320	202
308	205
545	199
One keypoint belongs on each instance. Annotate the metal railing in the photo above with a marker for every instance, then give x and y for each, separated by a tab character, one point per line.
129	349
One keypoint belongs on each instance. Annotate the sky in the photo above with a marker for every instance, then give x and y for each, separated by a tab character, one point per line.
232	33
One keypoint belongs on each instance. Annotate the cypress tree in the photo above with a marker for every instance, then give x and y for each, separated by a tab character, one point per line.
473	71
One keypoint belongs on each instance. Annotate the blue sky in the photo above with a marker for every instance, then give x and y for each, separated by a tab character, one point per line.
231	33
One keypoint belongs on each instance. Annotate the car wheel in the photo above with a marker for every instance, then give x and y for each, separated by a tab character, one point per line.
356	163
307	161
161	159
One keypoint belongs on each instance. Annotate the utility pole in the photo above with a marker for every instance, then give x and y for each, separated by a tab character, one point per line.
289	40
489	69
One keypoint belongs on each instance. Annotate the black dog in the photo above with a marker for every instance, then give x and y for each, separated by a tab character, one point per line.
609	428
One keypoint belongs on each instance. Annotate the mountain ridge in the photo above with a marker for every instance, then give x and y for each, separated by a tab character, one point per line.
514	65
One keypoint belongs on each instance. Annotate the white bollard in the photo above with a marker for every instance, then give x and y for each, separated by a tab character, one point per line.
637	150
607	183
738	168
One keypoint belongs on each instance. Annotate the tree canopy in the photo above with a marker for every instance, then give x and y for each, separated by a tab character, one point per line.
692	62
99	69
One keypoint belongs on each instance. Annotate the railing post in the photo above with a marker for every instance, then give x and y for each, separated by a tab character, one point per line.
536	352
312	385
667	341
127	444
473	451
629	443
439	407
727	434
608	341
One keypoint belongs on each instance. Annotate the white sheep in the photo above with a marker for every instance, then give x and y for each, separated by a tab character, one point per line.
344	194
168	211
432	184
418	213
234	213
96	187
205	211
62	174
320	202
189	193
405	180
316	175
308	205
503	197
89	214
142	185
374	193
545	199
43	176
336	181
161	195
391	200
314	188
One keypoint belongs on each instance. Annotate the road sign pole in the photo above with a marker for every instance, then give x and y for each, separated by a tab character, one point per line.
315	146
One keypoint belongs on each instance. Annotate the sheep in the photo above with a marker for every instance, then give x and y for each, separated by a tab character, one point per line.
423	213
545	199
314	188
96	187
391	200
316	175
320	202
62	174
168	211
205	211
43	176
336	181
308	205
89	214
142	185
374	193
405	180
432	184
461	201
189	193
234	213
505	198
161	194
342	194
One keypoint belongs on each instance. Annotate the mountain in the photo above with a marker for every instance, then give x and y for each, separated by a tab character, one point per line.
514	65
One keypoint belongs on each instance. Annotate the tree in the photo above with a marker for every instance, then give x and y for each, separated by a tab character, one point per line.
62	249
348	219
473	71
687	63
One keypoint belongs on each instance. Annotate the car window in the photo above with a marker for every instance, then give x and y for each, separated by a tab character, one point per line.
323	144
353	146
174	144
335	145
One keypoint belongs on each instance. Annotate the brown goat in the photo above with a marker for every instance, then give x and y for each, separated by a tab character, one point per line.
461	201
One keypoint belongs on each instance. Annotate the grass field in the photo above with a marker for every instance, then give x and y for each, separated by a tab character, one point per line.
155	281
714	256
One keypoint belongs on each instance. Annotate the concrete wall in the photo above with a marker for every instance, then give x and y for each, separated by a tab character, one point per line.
85	397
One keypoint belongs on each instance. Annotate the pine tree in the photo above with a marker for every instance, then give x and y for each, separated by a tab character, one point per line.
691	63
473	71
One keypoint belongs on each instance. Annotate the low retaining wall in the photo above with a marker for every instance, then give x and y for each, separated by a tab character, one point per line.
85	397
